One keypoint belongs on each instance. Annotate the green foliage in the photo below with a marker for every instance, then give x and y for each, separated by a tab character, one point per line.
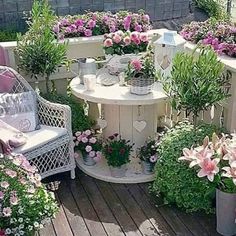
175	181
38	52
214	8
8	35
196	82
79	120
117	150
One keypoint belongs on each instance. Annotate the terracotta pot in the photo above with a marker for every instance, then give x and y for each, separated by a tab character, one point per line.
225	213
118	172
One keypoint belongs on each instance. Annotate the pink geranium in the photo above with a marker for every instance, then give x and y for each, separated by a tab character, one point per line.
136	64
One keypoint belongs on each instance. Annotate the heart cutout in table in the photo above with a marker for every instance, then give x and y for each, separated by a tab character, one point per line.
139	125
102	123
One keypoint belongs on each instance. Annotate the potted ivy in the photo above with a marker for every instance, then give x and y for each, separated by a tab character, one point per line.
141	75
117	151
216	160
89	145
148	156
197	82
38	52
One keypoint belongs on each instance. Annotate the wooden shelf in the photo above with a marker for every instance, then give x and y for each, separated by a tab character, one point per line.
101	171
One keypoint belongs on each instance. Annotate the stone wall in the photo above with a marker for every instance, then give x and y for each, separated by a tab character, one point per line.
11	11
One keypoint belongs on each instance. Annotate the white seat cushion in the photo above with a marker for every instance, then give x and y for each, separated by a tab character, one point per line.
40	137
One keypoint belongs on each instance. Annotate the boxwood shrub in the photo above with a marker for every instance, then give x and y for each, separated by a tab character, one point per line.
174	180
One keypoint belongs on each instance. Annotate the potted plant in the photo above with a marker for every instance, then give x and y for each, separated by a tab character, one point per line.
141	75
216	160
125	42
88	144
38	52
148	156
197	82
25	203
117	151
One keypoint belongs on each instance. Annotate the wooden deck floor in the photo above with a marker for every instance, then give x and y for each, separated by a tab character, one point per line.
92	207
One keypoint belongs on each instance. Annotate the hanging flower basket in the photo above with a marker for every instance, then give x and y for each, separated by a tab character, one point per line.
141	85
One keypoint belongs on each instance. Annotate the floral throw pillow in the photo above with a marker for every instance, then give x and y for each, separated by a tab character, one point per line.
19	110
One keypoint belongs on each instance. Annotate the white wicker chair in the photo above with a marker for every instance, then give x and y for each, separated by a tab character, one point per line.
50	148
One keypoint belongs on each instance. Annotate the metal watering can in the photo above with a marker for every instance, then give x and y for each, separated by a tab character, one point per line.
86	66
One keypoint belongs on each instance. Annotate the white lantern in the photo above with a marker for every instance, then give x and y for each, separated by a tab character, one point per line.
166	48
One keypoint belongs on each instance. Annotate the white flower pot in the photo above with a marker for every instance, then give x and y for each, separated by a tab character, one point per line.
147	167
88	161
118	172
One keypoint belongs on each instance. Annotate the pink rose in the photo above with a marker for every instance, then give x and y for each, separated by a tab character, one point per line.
117	38
136	64
127	40
143	37
108	43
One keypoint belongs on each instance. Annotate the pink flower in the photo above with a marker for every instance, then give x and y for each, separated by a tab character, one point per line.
1	195
138	28
88	148
91	24
189	155
2	232
98	156
78	133
127	40
108	43
230	172
84	139
93	140
92	154
231	154
79	23
7	211
137	41
56	28
4	184
14	200
31	189
117	38
11	173
153	159
146	18
88	33
136	64
209	168
87	132
143	37
120	32
202	153
133	36
127	26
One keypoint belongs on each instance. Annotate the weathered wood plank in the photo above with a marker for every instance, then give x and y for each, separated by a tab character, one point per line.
47	230
126	222
150	211
72	212
145	226
104	213
92	221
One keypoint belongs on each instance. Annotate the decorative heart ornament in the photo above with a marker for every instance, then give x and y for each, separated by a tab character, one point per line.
139	125
102	123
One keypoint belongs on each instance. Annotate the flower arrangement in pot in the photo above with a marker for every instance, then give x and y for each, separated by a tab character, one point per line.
117	151
25	204
141	75
149	156
216	160
125	42
88	144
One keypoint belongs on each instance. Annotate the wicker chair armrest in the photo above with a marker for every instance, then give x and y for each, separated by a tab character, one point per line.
54	114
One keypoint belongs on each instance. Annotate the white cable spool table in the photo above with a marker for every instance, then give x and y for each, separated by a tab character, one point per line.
134	117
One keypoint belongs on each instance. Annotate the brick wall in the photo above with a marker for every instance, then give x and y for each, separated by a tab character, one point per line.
11	11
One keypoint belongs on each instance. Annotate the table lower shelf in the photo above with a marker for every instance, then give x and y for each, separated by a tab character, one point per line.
101	171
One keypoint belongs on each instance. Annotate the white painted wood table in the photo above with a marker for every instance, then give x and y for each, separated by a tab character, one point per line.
134	117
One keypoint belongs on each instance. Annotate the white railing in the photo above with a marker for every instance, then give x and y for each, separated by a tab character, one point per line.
92	47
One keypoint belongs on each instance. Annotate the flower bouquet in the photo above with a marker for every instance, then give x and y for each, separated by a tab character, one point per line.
216	160
25	205
148	155
141	74
117	151
87	143
125	42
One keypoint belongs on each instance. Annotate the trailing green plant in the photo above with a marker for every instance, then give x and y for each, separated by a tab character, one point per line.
8	35
117	150
38	52
214	8
197	82
174	180
78	118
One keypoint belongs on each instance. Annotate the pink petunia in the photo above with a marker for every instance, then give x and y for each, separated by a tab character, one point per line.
84	140
7	211
88	148
153	159
209	168
108	43
87	132
93	140
92	154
